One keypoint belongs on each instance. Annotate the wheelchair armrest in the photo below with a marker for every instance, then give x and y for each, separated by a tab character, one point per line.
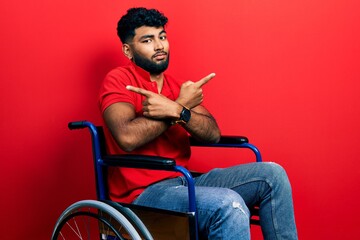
139	161
153	163
224	141
230	142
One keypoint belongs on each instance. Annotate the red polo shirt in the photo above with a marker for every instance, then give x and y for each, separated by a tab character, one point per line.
126	184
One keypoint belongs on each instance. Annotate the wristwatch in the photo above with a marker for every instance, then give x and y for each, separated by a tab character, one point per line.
185	116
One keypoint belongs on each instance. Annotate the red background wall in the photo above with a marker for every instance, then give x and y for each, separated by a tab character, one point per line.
287	77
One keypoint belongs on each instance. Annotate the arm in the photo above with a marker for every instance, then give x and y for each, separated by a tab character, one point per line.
202	125
129	131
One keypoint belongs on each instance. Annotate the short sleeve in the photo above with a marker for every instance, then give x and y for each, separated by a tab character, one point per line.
113	89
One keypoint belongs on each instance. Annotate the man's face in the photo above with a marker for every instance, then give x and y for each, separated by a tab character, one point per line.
150	49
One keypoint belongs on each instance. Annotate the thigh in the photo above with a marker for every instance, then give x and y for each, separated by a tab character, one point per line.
169	194
249	180
173	195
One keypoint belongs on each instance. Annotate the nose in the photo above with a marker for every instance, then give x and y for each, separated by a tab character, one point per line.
158	45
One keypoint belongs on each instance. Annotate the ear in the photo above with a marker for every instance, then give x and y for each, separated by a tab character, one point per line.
127	51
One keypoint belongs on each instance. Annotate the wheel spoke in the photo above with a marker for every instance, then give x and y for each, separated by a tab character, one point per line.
91	220
74	231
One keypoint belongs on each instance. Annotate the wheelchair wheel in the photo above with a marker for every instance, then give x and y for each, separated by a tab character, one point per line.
90	219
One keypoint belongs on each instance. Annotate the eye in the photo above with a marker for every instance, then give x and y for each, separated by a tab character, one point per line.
163	37
147	40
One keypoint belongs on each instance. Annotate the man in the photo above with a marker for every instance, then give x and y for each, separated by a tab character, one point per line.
148	112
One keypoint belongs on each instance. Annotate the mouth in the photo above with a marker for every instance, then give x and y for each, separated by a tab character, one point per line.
159	56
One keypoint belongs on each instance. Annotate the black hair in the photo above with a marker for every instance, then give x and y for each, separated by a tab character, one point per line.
138	17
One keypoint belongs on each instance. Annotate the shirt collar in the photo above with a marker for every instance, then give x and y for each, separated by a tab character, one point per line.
143	73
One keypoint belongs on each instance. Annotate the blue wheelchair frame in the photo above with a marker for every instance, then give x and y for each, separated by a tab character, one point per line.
152	162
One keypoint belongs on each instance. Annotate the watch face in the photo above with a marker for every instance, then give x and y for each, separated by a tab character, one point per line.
185	115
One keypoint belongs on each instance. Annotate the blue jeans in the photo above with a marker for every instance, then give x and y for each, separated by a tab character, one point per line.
223	197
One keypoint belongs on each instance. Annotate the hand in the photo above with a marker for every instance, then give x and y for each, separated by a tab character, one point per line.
155	105
191	94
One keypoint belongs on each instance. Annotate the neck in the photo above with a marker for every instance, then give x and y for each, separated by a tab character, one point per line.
156	77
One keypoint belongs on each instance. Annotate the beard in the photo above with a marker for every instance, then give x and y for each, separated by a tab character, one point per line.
149	65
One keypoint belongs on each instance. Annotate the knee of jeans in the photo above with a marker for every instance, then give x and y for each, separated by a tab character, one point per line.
278	174
232	202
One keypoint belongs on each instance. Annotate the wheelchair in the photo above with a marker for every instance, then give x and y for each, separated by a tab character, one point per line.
107	220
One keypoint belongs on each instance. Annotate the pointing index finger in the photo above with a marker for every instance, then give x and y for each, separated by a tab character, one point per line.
139	91
204	80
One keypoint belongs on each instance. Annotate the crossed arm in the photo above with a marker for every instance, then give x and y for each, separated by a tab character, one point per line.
131	131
